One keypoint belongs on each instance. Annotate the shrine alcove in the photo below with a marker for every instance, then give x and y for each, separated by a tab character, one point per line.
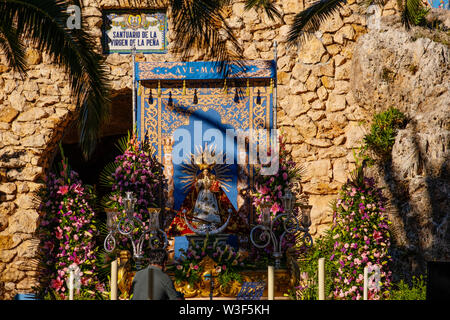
119	124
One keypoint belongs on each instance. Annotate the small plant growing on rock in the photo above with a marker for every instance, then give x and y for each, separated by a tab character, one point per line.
383	131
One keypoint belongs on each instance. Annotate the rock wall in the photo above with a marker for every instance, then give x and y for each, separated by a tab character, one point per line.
392	67
317	112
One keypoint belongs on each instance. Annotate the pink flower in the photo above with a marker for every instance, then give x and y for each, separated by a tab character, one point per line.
196	267
56	283
63	190
100	287
275	208
264	190
58	233
285	176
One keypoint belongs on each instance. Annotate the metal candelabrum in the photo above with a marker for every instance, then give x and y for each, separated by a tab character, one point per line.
128	224
263	234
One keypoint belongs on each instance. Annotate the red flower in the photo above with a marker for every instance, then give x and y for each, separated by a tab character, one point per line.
377	235
56	284
63	190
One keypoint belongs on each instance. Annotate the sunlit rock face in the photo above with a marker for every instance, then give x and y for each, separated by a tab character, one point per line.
408	70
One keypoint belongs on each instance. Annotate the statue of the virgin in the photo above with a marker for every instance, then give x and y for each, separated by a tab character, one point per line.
206	209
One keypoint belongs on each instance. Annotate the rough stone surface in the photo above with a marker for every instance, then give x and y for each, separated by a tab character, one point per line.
413	75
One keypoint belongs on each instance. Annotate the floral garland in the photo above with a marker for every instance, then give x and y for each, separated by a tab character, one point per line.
362	238
67	233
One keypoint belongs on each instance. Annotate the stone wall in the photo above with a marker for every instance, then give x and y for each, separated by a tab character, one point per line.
316	111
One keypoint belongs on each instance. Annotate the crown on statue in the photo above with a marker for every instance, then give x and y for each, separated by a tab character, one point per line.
203	166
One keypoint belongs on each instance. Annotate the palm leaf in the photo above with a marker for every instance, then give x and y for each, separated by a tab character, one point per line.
198	25
308	21
410	12
106	176
13	48
267	5
122	143
43	22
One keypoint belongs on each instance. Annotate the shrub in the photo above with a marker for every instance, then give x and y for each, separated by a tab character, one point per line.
383	131
403	291
361	233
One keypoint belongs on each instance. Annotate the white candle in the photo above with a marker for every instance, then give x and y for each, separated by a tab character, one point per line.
270	281
114	280
71	280
322	279
366	282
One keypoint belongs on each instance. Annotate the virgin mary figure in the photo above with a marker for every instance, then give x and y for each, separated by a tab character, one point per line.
206	209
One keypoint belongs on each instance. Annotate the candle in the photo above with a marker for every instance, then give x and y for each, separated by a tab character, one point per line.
114	279
322	279
270	287
366	283
71	281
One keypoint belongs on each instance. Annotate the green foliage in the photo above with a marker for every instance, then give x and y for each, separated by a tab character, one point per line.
307	287
415	291
413	12
383	131
228	276
419	17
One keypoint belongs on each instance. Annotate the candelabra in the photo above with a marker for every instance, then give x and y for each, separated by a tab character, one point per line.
263	234
129	226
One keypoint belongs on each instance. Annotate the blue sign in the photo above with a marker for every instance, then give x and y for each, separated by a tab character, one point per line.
200	70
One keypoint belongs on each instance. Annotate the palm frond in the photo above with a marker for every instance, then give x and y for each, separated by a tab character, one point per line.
367	3
412	12
308	21
122	143
43	22
106	176
199	25
266	5
13	48
106	202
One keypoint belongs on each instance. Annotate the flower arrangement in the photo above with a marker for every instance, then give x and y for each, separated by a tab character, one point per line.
136	170
228	260
67	234
269	190
361	238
